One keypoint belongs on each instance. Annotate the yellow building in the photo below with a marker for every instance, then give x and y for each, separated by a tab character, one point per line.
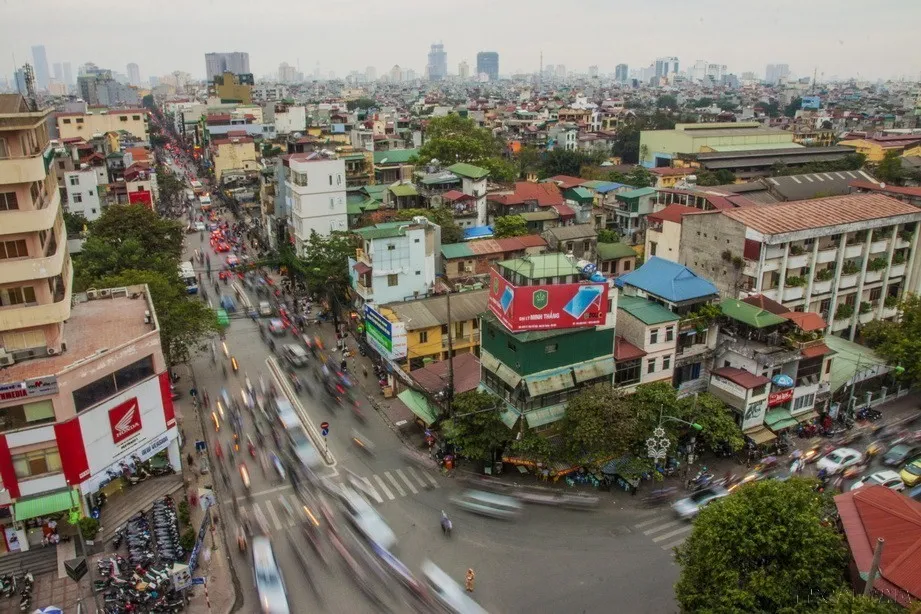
426	323
238	88
660	147
100	121
236	153
912	151
35	270
875	148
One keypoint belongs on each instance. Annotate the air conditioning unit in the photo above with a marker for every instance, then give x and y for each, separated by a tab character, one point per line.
92	294
6	359
106	293
52	351
468	268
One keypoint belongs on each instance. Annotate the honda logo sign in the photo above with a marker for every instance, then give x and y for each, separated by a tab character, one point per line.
125	420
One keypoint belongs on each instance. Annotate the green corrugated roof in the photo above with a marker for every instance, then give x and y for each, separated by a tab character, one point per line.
852	360
636	193
382	231
456	250
353	156
580	193
542	265
645	310
439	180
373	190
419	405
468	170
352	209
612	251
595	184
45	505
404	189
394	156
754	316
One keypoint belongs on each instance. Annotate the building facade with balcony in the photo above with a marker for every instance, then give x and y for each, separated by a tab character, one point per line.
100	121
315	192
848	258
83	193
397	261
653	329
473	184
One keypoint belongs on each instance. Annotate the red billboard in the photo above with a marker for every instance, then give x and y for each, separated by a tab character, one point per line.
125	420
779	398
549	306
141	197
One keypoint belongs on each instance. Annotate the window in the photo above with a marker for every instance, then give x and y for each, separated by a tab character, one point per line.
458	329
757	391
391	247
875	294
393	279
79	120
109	385
332	203
666	362
61	165
418	272
651	365
476	324
415	240
78	198
28	414
74	180
123	118
330	180
66	120
17	296
136	117
670	333
13	249
90	192
8	201
39	462
627	373
653	336
424	336
652	247
550	348
338	179
804	402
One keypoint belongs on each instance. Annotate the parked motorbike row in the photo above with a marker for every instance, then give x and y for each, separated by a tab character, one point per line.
10	584
139	533
136	589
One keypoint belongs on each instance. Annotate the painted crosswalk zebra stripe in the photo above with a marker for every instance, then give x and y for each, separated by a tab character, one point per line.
434	482
297	506
661	527
370	490
408	483
416	477
395	484
383	487
670	534
645	523
674	544
271	511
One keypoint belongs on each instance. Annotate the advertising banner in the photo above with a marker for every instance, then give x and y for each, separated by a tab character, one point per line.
388	338
779	398
29	388
73	455
125	420
546	307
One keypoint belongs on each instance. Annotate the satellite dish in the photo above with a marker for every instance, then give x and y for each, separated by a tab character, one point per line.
883	186
298	135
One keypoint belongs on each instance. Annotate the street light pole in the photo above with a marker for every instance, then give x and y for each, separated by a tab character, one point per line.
450	395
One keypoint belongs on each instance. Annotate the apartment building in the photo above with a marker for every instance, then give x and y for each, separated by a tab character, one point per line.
315	190
83	192
234	155
88	123
848	258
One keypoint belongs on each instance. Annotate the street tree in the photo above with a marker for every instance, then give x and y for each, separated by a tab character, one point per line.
599	423
844	601
169	186
75	222
184	324
720	177
899	342
453	138
794	106
450	231
719	426
476	429
640	177
889	170
529	159
509	226
762	549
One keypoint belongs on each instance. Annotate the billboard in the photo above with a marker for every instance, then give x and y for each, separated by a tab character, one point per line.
388	338
811	102
125	420
779	398
549	306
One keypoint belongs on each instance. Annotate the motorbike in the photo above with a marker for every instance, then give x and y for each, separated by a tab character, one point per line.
362	443
446	524
660	496
251	446
244	476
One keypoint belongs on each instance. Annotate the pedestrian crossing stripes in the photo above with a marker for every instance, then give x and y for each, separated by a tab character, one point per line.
399	480
665	531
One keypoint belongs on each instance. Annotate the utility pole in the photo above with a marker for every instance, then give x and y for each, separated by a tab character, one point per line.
450	396
874	566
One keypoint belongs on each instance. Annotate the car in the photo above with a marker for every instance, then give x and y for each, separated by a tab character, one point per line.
265	309
365	518
889	479
277	327
689	507
200	226
295	354
270	586
911	473
447	592
839	459
488	504
901	453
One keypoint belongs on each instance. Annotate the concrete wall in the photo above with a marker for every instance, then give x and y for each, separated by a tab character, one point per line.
668	242
704	238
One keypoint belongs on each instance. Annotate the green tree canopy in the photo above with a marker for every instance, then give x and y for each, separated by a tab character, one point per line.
529	159
454	138
509	226
362	103
844	601
477	430
450	231
762	549
720	177
169	185
599	423
607	236
889	169
794	106
75	222
565	162
899	342
667	101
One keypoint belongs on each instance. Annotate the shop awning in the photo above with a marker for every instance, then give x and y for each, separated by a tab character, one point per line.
809	415
506	374
760	435
419	405
545	383
593	369
508	417
779	419
545	415
48	504
361	268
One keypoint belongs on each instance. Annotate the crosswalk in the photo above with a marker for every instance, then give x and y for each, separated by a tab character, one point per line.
665	530
395	483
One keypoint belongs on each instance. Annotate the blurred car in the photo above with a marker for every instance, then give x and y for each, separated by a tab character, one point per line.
232	261
270	586
887	478
839	459
488	504
911	473
901	453
295	354
276	327
365	518
447	592
265	309
689	507
200	226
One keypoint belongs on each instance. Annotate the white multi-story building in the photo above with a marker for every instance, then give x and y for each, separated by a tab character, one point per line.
397	261
286	118
315	191
83	192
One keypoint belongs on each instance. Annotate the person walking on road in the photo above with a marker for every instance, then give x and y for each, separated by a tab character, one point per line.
468	581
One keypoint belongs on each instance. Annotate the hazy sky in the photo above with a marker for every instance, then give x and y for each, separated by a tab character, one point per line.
839	38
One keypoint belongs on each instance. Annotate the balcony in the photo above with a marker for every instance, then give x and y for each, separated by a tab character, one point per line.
839	325
793	294
821	287
802	341
774	251
22	170
889	312
797	262
769	265
25	269
853	251
867	317
14	318
872	276
879	246
751	268
897	270
902	242
847	281
25	221
364	291
827	255
770	293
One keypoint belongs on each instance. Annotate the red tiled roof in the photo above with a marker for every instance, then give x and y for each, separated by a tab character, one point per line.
71	140
565	211
807	321
819	349
531	241
138	153
218	117
434	377
886	188
768	304
668	171
237	133
624	350
672	213
453	195
874	512
566	181
741	377
361	268
546	194
800	215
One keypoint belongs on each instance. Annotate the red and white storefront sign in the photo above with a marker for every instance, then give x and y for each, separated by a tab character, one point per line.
125	420
781	397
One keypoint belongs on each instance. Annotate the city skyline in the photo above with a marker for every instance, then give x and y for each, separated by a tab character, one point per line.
850	49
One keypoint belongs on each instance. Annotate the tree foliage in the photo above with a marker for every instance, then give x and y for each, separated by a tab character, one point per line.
851	162
75	222
763	549
476	431
529	159
899	342
889	170
362	103
453	138
627	140
794	106
639	177
565	162
667	101
170	186
450	231
720	177
844	601
599	423
607	236
509	226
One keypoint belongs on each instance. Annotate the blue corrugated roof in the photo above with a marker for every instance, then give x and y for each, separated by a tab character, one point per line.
609	187
477	232
668	280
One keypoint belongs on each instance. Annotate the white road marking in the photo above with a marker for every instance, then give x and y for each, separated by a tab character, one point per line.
383	487
661	527
272	515
297	506
674	544
434	482
408	483
395	485
264	492
640	525
416	477
670	534
370	489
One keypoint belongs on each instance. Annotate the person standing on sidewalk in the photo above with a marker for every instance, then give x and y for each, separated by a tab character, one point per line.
468	581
